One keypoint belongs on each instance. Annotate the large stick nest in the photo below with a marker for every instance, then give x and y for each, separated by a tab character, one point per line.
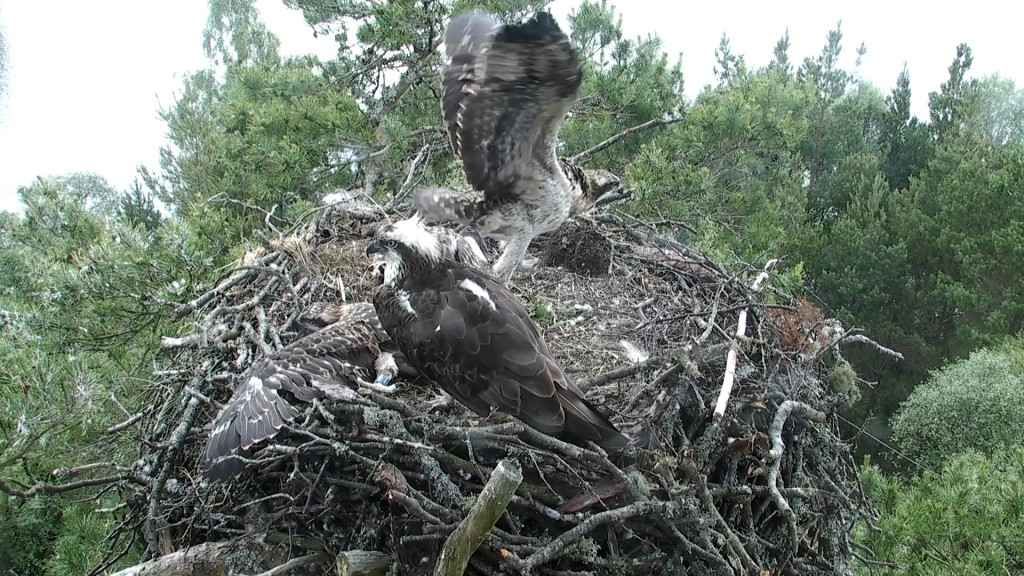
640	321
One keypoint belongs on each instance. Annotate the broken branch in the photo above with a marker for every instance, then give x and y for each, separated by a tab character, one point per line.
865	340
490	505
363	563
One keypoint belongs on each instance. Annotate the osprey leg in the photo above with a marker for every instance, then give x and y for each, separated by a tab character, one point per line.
511	257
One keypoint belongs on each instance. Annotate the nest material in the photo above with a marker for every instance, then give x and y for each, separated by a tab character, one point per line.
577	246
768	489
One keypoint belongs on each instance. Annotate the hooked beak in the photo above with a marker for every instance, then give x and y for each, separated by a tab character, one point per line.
616	192
374	247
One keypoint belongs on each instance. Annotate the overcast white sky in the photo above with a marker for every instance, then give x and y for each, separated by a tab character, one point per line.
87	78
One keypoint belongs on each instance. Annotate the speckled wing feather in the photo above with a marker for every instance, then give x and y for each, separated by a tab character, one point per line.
261	406
322	314
506	91
474	338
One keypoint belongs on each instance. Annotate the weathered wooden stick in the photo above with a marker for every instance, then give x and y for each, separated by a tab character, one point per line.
775	460
363	563
741	330
778	445
251	554
489	506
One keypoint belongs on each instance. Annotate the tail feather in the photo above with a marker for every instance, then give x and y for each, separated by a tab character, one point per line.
583	421
441	205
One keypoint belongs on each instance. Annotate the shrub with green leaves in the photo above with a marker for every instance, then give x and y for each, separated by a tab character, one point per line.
1013	347
965	521
973	404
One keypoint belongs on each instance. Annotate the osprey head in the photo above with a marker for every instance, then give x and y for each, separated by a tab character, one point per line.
403	244
601	183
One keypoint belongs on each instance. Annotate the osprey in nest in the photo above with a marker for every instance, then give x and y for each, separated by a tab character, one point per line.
330	361
506	90
341	345
462	329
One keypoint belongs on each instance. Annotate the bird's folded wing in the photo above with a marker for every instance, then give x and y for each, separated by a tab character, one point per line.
477	340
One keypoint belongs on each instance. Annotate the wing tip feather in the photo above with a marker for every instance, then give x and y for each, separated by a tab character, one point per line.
503	83
469	31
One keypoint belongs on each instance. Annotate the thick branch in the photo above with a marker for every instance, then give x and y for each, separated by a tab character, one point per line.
775	456
213	559
489	506
865	340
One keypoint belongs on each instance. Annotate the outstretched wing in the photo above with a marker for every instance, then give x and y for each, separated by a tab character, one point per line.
257	410
507	89
476	340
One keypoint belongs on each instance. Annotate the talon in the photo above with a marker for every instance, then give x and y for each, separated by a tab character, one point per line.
383	379
382	388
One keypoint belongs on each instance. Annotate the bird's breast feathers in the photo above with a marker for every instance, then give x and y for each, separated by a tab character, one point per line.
540	206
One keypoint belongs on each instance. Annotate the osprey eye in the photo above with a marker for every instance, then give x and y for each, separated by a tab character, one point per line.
391	243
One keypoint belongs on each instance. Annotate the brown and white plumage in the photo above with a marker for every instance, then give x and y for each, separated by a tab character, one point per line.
462	329
506	91
330	361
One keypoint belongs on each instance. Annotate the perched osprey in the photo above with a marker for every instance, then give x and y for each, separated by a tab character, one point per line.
340	346
465	331
506	91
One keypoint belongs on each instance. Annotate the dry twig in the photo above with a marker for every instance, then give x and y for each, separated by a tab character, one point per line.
741	331
653	123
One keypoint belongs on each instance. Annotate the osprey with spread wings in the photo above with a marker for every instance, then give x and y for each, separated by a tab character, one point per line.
330	361
506	90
